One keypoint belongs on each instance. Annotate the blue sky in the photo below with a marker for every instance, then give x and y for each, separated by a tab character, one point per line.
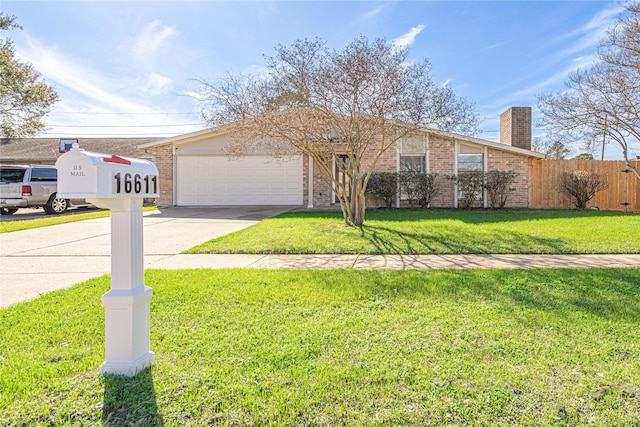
125	68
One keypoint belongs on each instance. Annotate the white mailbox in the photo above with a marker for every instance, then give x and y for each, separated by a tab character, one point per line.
119	184
83	174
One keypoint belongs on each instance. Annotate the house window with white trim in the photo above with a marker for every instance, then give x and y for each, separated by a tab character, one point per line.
470	159
415	163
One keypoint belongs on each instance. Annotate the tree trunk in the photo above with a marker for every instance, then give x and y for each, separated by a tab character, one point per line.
357	204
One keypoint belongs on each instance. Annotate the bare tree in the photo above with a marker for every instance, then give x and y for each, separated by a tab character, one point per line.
582	186
339	107
557	150
539	145
602	103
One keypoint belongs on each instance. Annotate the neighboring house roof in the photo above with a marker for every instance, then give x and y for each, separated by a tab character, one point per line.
45	150
205	133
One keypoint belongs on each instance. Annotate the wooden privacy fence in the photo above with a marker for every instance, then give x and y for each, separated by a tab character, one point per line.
623	193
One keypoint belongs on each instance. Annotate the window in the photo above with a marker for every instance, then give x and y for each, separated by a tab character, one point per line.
470	162
470	170
412	164
44	174
470	159
11	174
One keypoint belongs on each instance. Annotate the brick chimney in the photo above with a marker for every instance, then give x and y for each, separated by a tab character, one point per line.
515	127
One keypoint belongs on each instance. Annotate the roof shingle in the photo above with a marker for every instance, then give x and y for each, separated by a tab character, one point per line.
45	150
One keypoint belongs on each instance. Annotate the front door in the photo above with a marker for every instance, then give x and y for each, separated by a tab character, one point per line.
342	164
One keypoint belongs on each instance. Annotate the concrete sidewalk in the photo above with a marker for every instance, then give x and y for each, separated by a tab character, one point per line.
41	260
33	262
397	262
79	268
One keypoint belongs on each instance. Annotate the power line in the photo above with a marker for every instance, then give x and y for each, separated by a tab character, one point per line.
128	114
122	135
124	126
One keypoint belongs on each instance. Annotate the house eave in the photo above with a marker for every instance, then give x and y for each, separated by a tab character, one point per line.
211	132
486	143
187	137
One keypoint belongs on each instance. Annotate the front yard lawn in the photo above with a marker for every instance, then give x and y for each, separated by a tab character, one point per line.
325	348
409	232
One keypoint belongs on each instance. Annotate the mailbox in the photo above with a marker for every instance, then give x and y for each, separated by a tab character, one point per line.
120	184
83	174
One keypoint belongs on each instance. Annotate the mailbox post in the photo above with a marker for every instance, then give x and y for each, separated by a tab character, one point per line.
119	184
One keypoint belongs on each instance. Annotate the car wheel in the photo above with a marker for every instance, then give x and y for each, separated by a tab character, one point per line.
55	205
8	211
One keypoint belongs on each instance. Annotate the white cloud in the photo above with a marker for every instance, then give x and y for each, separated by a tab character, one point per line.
152	36
600	22
580	53
149	44
71	74
155	84
590	34
580	62
408	38
374	12
492	46
95	104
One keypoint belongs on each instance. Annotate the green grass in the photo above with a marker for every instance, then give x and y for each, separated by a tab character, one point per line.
73	216
438	232
326	348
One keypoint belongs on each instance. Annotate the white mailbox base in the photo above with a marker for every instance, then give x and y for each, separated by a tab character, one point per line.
127	331
127	303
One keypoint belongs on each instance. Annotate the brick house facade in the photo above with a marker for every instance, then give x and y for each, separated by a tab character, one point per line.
438	151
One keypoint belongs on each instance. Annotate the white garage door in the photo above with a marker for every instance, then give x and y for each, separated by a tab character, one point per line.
254	180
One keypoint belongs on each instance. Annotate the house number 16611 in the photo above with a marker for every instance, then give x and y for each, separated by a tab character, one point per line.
135	183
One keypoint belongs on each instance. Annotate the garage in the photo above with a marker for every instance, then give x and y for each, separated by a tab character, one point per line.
253	180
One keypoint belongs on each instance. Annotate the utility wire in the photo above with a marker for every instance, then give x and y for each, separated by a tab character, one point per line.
128	114
125	126
104	135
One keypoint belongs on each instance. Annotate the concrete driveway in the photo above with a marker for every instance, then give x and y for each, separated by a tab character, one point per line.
41	260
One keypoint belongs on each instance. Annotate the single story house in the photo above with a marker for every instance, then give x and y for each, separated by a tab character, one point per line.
45	151
196	170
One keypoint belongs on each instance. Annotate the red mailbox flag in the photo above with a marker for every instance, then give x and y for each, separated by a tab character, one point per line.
117	159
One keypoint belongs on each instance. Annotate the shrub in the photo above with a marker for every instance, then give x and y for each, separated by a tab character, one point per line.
470	185
498	184
420	187
384	185
582	186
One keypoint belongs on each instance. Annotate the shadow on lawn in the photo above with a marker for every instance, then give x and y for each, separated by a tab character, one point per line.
130	401
440	242
472	216
582	291
605	293
563	293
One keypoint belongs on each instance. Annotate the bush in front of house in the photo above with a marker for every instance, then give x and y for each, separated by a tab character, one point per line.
420	187
582	186
498	184
383	185
470	186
